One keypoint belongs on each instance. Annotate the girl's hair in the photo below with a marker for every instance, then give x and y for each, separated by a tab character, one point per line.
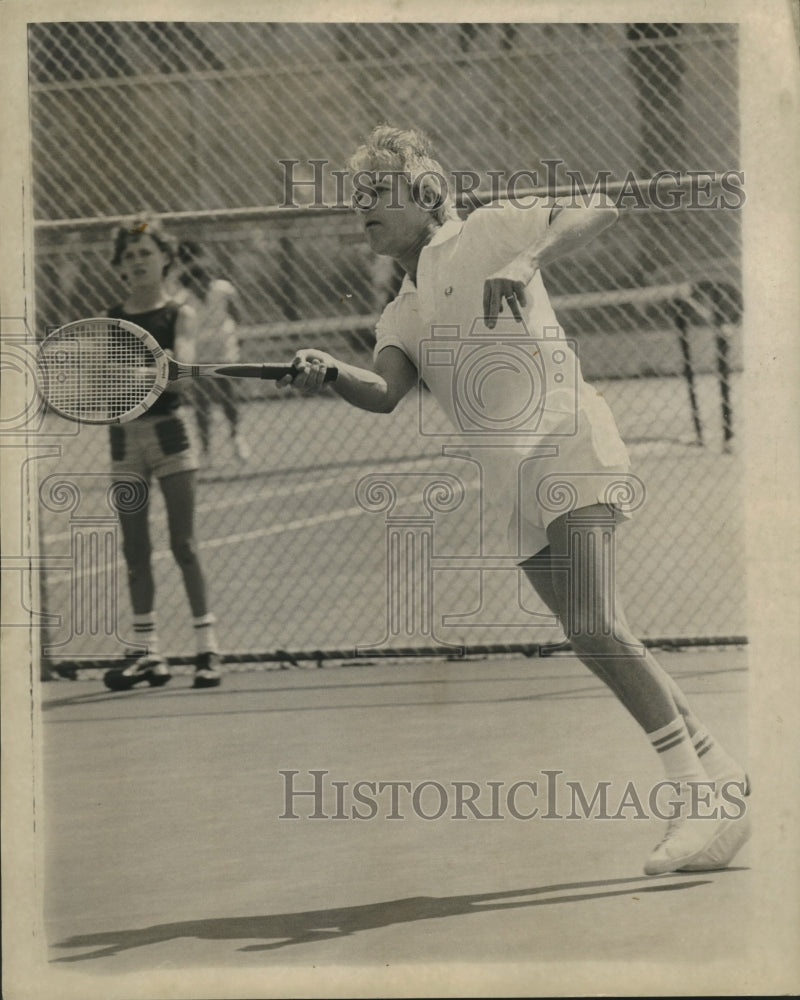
130	232
407	151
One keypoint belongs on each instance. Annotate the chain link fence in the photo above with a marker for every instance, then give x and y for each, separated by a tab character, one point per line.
233	134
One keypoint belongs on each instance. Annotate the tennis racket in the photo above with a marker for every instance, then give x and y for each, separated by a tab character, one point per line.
111	371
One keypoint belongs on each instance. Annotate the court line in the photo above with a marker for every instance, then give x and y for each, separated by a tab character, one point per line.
564	679
214	543
266	532
246	498
586	692
269	493
274	529
274	492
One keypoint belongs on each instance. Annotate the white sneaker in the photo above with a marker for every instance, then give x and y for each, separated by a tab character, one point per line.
728	842
688	837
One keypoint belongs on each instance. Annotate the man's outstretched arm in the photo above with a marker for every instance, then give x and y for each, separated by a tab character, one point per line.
378	391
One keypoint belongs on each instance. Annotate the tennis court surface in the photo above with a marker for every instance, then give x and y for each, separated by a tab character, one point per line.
169	846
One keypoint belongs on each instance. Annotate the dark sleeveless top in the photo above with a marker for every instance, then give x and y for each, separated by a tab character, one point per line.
160	323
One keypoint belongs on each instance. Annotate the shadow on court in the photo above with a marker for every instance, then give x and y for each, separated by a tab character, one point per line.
279	930
222	879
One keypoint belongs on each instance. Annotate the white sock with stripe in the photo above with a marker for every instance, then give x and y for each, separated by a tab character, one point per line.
146	631
716	761
676	751
205	635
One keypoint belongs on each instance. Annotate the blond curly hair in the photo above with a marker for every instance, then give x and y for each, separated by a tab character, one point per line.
407	151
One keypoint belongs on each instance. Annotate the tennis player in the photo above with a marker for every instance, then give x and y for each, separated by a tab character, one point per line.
159	444
215	302
489	267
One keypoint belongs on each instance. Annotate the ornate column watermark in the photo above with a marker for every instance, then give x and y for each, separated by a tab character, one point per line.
91	564
588	566
24	440
409	546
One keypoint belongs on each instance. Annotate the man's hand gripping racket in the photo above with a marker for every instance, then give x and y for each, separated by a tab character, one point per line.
310	370
111	371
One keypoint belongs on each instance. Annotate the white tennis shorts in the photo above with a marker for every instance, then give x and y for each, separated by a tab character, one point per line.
590	467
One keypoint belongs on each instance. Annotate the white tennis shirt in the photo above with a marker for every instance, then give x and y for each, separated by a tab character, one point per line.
518	385
216	328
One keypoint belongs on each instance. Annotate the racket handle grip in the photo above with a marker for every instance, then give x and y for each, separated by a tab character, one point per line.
331	374
271	372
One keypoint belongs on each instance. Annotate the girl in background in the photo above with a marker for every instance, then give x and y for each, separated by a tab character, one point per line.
159	444
216	306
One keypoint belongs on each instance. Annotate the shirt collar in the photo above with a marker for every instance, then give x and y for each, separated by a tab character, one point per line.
445	232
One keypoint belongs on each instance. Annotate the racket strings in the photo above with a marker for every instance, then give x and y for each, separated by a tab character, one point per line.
97	370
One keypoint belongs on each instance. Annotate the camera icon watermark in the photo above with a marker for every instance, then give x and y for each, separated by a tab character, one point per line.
500	384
